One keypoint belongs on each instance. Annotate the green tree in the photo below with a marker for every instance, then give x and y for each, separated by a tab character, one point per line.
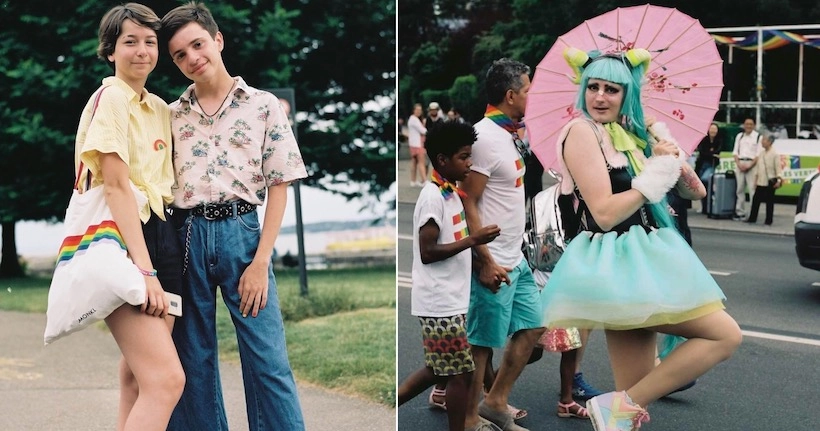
338	56
47	70
464	96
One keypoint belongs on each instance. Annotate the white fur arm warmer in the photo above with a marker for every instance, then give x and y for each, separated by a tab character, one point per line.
661	132
659	175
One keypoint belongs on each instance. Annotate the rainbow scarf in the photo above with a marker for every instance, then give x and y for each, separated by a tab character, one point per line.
447	188
506	123
503	120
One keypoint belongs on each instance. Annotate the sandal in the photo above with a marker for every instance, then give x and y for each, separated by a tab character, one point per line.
436	392
572	410
515	412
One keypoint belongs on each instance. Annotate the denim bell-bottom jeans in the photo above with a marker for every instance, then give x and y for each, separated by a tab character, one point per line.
218	251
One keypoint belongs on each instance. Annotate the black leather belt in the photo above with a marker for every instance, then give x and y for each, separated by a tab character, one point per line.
222	211
745	159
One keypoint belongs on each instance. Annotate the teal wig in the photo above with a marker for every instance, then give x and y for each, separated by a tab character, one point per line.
615	68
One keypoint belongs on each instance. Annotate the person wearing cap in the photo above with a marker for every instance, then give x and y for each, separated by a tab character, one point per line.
435	117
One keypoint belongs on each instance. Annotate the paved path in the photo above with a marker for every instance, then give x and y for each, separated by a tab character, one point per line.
71	385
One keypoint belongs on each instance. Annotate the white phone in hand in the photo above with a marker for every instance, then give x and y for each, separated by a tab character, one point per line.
174	304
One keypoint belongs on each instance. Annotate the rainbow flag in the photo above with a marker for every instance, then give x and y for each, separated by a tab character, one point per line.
519	165
460	218
772	39
72	245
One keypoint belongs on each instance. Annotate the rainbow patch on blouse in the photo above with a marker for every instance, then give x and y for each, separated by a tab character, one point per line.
519	166
460	219
159	145
77	244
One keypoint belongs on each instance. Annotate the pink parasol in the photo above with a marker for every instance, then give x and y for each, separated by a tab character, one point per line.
681	88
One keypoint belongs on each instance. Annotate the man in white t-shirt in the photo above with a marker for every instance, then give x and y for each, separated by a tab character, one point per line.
747	147
504	300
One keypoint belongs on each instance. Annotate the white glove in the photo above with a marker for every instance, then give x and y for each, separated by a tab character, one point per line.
659	175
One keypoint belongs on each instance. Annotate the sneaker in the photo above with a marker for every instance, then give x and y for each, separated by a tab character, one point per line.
583	390
615	411
738	217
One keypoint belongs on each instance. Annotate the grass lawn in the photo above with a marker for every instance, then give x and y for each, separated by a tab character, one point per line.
341	336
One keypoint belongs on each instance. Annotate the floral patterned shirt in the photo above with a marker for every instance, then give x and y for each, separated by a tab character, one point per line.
238	153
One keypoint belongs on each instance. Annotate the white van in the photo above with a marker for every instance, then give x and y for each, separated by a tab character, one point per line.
807	223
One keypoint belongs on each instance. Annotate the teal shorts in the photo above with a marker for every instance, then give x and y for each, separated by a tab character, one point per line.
493	317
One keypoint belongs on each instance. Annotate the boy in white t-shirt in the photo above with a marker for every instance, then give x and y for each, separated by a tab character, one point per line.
441	273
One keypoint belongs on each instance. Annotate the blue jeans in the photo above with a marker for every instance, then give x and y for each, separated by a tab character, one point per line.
218	251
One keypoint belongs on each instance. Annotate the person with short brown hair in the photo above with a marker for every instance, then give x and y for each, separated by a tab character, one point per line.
124	137
234	148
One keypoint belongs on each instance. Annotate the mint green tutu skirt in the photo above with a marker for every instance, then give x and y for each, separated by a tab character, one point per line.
628	281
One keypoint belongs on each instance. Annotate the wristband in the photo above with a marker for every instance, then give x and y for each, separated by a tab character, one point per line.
147	272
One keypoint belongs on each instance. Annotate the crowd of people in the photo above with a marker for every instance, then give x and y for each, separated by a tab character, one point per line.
474	290
758	169
414	132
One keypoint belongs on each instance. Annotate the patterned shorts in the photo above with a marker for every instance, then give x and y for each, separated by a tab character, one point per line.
446	350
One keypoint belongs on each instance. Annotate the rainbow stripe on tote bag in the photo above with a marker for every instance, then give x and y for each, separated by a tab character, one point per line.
76	244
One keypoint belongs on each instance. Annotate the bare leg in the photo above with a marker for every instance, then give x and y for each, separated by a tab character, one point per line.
458	389
422	162
480	357
632	356
413	167
489	373
518	350
150	367
416	383
580	351
711	339
569	363
129	390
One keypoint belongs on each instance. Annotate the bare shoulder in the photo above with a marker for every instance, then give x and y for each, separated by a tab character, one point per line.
581	137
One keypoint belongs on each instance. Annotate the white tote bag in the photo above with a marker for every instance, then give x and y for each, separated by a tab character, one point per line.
94	274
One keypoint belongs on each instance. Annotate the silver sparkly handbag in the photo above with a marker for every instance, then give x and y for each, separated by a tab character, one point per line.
544	240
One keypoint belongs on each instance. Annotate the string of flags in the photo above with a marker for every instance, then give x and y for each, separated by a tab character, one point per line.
772	39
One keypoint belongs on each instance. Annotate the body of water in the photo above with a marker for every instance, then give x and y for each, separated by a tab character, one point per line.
40	239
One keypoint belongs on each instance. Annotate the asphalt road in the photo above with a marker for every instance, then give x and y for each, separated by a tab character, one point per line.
771	383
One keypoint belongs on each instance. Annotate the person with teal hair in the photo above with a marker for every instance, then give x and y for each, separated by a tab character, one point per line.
626	268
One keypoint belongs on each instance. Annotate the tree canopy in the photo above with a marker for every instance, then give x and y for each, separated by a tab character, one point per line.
441	44
337	56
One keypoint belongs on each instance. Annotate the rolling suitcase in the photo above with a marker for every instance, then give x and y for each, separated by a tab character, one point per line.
721	195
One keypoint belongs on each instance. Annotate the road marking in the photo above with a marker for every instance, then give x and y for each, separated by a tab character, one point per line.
786	338
721	273
404	279
405	237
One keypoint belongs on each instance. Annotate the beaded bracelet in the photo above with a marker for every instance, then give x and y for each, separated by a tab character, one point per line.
148	272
